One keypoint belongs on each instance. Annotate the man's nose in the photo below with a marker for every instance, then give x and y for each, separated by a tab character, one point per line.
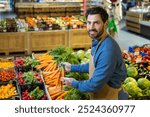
91	26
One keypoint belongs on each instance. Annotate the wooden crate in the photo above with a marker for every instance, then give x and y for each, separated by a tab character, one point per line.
58	14
47	40
79	38
133	21
13	42
24	8
73	9
41	8
57	9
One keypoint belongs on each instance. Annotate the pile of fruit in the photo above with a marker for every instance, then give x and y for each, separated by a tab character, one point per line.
6	64
7	91
6	75
137	83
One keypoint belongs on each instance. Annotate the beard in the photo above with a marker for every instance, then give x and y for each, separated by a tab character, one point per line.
94	34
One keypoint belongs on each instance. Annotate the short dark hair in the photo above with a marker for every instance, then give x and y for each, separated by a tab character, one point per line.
98	10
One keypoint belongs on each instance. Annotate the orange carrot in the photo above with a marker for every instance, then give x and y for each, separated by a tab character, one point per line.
62	95
53	97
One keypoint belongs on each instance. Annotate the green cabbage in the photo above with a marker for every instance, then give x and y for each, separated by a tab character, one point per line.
143	83
132	71
130	79
133	89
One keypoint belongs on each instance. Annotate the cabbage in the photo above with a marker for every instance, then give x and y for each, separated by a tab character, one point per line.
126	65
130	79
80	54
85	60
133	89
143	83
88	53
132	72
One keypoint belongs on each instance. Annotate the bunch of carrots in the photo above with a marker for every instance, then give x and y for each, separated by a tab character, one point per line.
57	93
52	74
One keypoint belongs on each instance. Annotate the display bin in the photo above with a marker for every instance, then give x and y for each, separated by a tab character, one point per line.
57	14
24	8
79	38
30	88
73	9
57	9
133	20
7	62
15	84
41	8
47	40
13	42
72	13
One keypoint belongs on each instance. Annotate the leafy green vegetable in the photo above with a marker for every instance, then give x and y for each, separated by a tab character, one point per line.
75	94
31	62
29	77
77	75
64	54
37	93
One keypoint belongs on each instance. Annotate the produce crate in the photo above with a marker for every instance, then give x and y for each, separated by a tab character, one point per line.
25	64
9	61
79	38
57	14
73	13
30	88
15	84
57	9
47	40
32	78
42	7
7	74
24	8
35	55
133	21
72	9
13	42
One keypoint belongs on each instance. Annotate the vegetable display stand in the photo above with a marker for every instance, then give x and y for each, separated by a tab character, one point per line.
13	42
47	40
79	38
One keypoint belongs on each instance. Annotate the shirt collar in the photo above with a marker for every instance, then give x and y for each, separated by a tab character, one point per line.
94	42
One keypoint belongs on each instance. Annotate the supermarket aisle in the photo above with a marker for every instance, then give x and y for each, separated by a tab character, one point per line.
126	38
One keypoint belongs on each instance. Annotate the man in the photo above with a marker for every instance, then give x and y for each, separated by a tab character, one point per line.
106	67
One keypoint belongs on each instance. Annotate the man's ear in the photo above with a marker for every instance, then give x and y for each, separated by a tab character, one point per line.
106	23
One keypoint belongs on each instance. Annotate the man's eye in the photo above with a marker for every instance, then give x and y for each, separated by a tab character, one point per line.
88	23
96	22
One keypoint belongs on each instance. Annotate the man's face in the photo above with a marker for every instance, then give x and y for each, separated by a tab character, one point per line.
95	26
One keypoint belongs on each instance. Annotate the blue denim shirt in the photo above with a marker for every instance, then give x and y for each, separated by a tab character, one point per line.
109	67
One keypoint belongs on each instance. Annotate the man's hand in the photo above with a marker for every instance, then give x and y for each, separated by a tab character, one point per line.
67	66
67	81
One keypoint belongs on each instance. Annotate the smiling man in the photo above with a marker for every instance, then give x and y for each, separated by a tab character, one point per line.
106	67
